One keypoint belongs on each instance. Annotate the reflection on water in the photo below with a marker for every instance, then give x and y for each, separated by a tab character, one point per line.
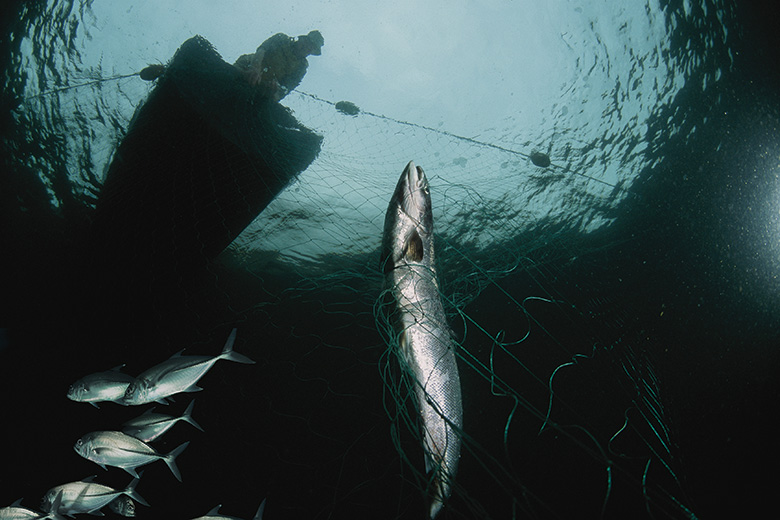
572	262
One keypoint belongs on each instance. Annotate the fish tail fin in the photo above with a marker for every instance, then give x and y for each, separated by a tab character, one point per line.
132	493
188	416
170	460
229	354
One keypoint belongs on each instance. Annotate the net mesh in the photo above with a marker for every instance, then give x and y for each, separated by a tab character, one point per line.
563	411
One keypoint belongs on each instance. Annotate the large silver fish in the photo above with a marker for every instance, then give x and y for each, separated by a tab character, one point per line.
177	374
150	425
86	496
109	448
420	324
110	385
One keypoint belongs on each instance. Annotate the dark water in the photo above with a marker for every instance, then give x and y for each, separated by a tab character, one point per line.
672	314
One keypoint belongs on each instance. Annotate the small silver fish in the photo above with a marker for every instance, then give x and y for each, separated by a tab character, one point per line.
110	385
110	448
86	496
177	374
214	514
16	512
149	425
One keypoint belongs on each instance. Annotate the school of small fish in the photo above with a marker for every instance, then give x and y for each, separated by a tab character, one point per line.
128	448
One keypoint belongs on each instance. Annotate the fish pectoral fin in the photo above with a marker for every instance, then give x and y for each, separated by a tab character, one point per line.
413	248
102	451
139	452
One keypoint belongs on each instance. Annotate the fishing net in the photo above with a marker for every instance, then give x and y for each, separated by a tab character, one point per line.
212	208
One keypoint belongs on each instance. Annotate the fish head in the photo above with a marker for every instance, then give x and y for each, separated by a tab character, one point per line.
137	391
123	505
82	446
409	219
413	196
78	390
52	503
85	446
47	502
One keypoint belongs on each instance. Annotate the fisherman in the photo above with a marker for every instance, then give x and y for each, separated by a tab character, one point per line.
279	64
199	161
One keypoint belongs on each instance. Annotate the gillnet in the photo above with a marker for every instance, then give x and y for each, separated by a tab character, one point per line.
191	227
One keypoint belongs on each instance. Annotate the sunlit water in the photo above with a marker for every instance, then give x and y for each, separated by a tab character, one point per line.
576	82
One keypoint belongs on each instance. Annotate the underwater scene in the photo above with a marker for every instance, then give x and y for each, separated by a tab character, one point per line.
336	260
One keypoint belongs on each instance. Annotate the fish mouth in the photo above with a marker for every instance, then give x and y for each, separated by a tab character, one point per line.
414	193
415	177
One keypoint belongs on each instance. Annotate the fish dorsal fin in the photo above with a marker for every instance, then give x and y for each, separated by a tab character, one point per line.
214	511
89	479
413	249
118	368
178	354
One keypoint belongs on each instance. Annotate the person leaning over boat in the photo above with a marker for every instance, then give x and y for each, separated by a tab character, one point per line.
279	64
